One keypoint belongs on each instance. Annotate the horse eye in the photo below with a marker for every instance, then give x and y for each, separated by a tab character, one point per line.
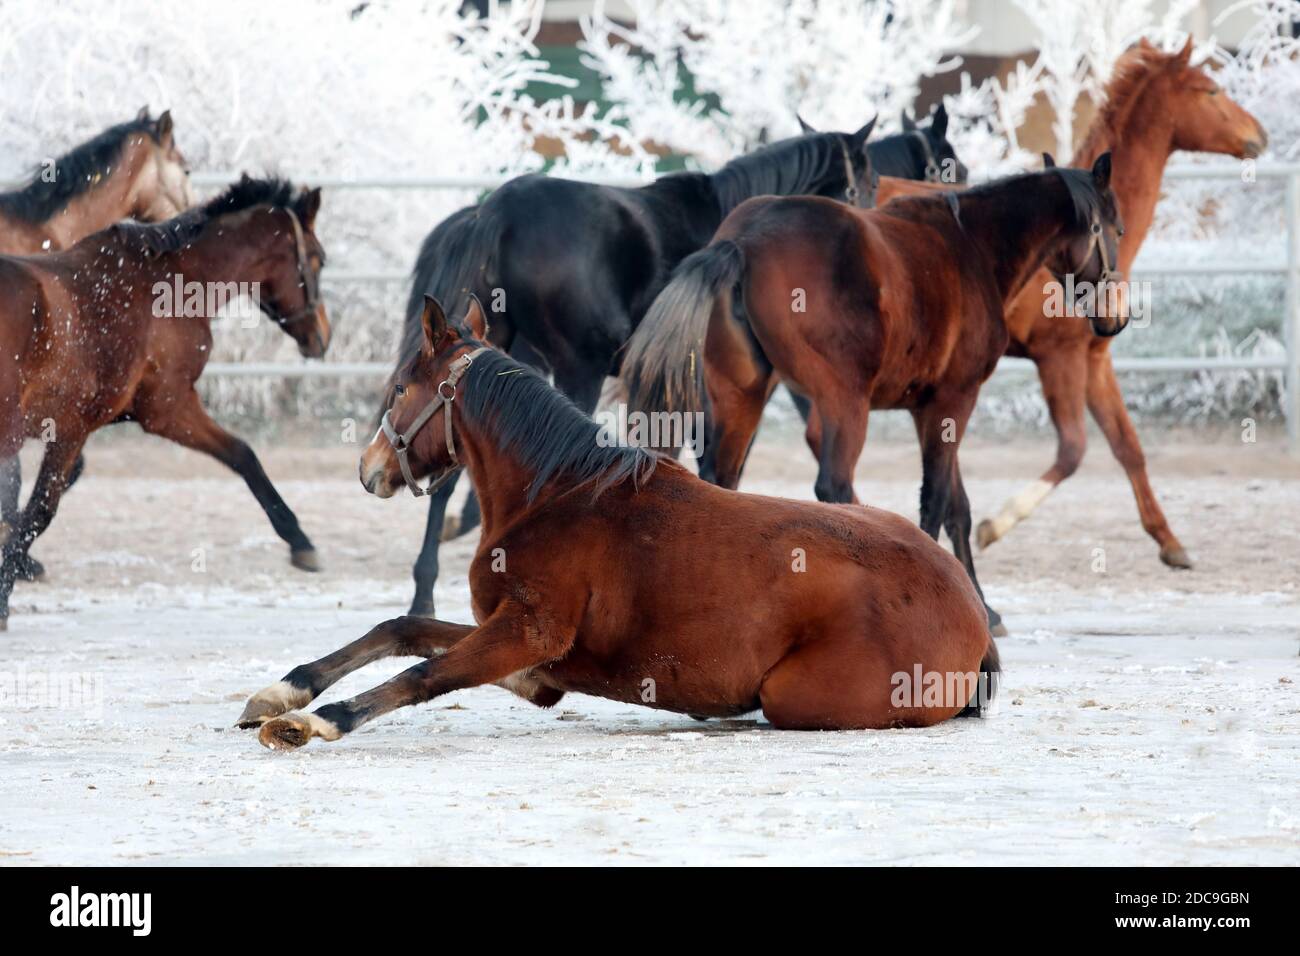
401	390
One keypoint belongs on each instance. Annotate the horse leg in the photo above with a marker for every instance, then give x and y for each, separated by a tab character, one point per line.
512	640
1106	403
426	565
1062	373
400	637
186	422
940	427
838	444
56	465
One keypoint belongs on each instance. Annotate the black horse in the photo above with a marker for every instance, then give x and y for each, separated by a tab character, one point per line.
566	270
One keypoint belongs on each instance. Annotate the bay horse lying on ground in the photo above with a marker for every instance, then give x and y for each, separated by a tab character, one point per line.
568	269
132	170
899	307
84	342
1156	104
605	571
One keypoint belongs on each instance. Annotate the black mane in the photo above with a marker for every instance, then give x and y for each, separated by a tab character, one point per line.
75	173
174	234
545	431
801	164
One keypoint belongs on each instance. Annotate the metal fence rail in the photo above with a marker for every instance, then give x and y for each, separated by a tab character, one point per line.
1289	268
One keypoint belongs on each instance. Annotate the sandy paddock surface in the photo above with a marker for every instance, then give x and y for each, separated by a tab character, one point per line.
1147	715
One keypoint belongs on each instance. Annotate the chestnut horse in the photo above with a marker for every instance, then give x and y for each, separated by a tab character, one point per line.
131	170
899	307
87	339
666	591
1156	104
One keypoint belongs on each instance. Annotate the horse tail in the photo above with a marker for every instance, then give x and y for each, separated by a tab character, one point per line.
663	360
989	676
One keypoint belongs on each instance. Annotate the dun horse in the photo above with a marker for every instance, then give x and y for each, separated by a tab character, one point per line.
84	342
817	614
900	307
131	170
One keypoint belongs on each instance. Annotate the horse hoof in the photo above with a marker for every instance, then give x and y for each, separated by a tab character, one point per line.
984	535
4	623
292	730
280	698
1176	558
998	630
305	560
29	569
451	528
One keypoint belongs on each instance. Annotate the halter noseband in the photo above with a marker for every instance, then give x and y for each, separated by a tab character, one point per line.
932	174
310	289
401	442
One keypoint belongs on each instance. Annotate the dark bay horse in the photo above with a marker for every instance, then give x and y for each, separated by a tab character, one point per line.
815	612
92	336
132	170
568	269
1156	104
899	307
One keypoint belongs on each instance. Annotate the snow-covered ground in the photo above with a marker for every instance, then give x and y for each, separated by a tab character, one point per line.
1146	716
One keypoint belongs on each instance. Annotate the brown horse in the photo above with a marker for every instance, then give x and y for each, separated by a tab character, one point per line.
130	171
93	336
900	307
1156	104
667	591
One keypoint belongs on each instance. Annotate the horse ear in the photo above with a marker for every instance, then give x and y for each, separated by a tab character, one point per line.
1101	171
308	206
143	115
434	321
476	319
804	126
859	138
164	128
939	125
1184	55
1048	161
909	124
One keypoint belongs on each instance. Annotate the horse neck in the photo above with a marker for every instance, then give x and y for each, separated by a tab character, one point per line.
109	201
781	172
1142	138
1016	225
501	482
232	248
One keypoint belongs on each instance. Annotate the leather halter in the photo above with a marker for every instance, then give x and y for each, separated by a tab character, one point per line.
310	288
851	191
1095	242
401	442
932	173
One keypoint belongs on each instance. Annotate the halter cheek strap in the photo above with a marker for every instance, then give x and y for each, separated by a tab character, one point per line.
1095	242
931	167
310	289
401	441
851	191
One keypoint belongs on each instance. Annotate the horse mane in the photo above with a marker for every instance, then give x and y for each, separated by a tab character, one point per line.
1133	73
785	168
175	234
75	172
1079	186
545	431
